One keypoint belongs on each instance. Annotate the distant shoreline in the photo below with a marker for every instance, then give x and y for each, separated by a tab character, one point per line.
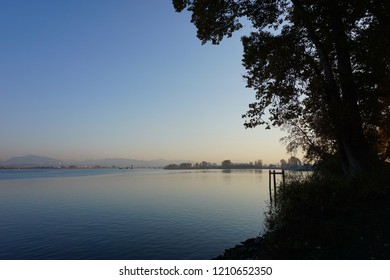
238	167
71	167
149	167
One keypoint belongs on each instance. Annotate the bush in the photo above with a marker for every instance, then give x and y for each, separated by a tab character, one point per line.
323	217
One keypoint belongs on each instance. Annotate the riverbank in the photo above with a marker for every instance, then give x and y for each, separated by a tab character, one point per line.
324	219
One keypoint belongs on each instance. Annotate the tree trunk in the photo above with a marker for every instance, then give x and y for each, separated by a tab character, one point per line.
355	155
353	148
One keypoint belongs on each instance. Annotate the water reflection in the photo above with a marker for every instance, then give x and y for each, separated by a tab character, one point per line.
145	214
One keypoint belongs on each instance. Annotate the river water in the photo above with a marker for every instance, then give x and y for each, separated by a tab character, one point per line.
128	214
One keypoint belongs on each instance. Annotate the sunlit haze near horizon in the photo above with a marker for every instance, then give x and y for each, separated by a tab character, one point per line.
103	79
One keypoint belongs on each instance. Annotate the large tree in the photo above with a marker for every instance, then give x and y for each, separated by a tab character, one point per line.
321	68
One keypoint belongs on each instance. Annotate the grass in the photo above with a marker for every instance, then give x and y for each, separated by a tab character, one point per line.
325	217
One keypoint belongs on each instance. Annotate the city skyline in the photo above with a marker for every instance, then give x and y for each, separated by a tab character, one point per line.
99	79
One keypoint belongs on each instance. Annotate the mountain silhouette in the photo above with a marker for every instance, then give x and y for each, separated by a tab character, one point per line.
40	161
31	160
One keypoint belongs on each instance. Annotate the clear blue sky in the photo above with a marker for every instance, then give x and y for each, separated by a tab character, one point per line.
87	79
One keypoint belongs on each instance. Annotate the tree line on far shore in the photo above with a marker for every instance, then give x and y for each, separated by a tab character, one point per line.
293	163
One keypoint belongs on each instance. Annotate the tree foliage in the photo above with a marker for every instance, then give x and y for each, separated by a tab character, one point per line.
319	68
226	163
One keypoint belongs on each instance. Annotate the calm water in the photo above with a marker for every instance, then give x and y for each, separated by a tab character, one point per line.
128	214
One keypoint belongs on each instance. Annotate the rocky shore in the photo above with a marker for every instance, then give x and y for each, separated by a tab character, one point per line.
250	249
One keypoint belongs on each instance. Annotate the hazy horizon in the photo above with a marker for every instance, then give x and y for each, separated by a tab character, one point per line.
98	79
178	160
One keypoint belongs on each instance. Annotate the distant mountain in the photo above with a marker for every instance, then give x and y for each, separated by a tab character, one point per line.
119	162
39	161
31	161
124	162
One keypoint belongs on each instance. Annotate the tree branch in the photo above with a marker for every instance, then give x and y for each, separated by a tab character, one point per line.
332	90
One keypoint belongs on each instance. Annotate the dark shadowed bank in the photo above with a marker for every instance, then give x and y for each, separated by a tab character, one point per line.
325	217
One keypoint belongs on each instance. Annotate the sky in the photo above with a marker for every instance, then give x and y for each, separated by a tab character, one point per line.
90	79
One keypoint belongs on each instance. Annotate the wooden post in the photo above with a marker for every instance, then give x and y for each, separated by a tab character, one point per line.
274	173
269	185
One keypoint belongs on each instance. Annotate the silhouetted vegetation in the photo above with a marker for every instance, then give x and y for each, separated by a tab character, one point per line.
321	71
293	164
325	217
